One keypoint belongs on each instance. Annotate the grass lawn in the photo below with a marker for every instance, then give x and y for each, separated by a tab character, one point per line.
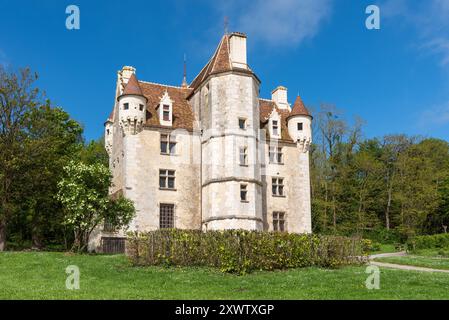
26	275
385	248
424	258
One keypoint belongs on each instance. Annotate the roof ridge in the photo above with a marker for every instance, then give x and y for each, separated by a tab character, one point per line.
163	85
207	64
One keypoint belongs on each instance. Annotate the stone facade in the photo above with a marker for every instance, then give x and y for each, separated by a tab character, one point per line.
234	160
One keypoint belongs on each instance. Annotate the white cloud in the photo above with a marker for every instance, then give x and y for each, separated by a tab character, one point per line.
278	22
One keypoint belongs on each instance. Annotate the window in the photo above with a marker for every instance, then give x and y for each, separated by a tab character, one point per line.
242	123
107	131
278	221
167	179
125	106
300	126
168	144
275	155
275	128
278	187
166	112
141	107
243	192
166	216
243	156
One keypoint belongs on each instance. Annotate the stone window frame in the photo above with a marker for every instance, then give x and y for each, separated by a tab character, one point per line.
244	192
166	175
141	106
170	142
279	221
277	187
167	222
243	121
275	128
126	106
166	112
300	126
243	152
275	155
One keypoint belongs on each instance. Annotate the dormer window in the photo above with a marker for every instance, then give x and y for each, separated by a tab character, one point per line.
166	112
275	125
125	106
300	126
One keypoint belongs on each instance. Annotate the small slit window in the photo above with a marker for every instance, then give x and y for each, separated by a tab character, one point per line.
125	106
243	192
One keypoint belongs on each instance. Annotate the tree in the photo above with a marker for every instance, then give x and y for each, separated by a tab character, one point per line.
52	140
17	98
95	152
83	192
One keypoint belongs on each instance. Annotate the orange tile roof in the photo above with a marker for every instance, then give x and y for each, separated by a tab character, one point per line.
182	112
132	87
220	62
299	109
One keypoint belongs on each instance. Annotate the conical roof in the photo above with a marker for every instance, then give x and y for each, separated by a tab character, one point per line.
299	109
133	87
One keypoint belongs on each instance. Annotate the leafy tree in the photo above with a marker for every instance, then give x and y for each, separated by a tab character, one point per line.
52	140
17	98
83	192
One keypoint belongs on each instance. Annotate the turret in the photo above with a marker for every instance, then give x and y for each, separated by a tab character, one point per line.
132	107
300	125
108	133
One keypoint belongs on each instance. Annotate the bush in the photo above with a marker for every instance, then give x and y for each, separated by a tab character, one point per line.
240	251
436	241
369	245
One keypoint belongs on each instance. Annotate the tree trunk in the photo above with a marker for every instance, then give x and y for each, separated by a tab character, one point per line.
2	235
387	210
36	238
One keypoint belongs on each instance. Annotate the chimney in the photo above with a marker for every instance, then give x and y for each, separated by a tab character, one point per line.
237	43
279	95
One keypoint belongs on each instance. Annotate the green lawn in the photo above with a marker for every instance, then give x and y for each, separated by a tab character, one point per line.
385	248
428	259
42	276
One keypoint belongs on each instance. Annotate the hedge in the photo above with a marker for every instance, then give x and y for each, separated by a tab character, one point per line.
240	251
436	241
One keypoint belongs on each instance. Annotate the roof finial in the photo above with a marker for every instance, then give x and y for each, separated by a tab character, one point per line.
184	79
226	24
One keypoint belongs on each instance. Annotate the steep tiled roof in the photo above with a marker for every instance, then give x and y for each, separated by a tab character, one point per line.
132	87
299	109
182	112
266	108
220	62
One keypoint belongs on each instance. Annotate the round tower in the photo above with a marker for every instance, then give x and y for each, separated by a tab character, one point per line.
132	107
300	125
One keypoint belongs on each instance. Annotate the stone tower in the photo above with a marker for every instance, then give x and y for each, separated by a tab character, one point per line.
300	130
132	107
226	96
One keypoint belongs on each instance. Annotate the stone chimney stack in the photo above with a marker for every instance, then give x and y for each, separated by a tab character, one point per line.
123	77
237	43
279	96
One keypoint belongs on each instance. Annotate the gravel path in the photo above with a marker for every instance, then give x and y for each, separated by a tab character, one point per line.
399	266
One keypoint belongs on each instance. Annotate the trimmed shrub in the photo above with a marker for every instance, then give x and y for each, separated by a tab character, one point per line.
241	251
436	241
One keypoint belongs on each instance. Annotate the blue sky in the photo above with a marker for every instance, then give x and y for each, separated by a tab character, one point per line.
395	78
